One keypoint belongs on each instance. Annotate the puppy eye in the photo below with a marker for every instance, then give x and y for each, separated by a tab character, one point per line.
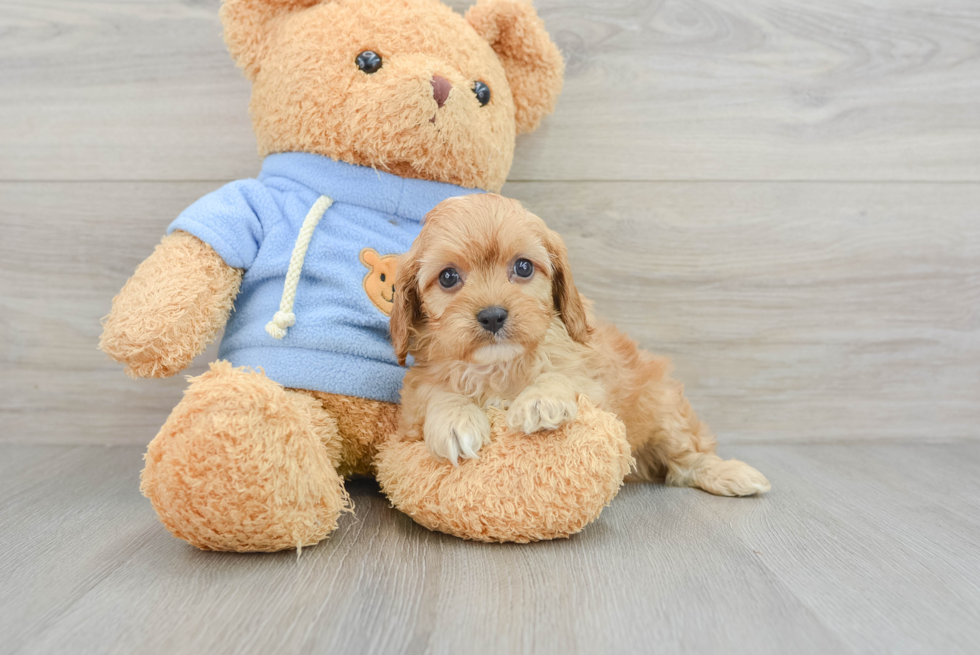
482	92
523	268
368	61
448	278
382	277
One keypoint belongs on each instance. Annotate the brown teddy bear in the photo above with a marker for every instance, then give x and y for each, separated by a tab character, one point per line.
368	113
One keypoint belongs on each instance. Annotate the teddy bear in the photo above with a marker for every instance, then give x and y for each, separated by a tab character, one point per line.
368	113
379	281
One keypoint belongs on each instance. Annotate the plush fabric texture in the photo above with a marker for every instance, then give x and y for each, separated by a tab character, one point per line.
245	464
339	343
535	69
170	309
553	350
309	96
242	464
522	488
362	424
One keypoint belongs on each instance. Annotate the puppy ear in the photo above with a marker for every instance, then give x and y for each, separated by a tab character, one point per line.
567	300
534	67
406	310
248	25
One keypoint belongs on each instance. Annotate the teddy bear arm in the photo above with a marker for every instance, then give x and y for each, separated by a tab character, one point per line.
171	308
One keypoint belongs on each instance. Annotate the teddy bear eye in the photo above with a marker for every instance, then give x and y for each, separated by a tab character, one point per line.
382	277
368	61
448	278
523	268
482	92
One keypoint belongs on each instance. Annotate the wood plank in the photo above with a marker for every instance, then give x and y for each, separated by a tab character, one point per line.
832	560
792	311
66	250
69	517
737	90
132	588
861	531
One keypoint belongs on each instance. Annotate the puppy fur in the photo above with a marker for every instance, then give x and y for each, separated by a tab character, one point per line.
550	349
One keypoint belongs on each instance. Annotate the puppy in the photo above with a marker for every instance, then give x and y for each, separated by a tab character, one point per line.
486	306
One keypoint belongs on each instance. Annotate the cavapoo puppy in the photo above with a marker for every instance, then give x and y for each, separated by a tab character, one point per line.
486	306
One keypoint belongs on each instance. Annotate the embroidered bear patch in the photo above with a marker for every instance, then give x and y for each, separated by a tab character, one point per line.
379	283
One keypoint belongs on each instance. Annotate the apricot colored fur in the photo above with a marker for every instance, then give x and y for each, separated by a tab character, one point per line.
243	464
550	353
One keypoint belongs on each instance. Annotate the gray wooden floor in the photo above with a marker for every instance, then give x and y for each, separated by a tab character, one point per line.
782	196
858	549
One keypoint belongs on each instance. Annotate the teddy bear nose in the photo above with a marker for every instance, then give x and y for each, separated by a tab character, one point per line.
440	89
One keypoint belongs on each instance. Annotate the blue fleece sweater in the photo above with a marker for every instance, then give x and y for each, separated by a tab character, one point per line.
340	340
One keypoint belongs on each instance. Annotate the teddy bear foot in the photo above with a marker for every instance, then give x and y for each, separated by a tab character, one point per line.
523	487
241	465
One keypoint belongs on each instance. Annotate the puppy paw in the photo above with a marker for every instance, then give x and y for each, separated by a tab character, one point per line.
533	411
732	478
456	431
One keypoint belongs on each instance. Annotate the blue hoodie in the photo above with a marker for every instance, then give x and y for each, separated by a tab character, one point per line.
336	338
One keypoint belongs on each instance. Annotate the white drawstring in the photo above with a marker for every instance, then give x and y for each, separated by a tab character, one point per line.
285	318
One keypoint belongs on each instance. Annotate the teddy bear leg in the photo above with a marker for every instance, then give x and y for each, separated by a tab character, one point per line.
243	464
523	487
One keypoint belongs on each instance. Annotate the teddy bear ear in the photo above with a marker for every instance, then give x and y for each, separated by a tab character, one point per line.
533	64
248	25
370	257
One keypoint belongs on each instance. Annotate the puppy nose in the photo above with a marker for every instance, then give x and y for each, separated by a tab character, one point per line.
440	89
492	318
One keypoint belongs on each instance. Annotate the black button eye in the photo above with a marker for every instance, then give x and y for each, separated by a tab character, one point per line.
482	92
523	268
368	61
382	277
448	278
